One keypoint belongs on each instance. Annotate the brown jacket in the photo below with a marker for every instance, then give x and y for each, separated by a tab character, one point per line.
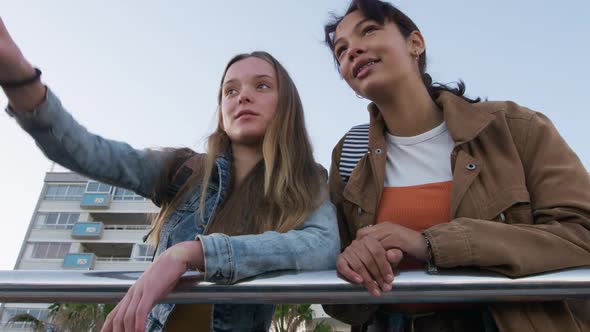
523	209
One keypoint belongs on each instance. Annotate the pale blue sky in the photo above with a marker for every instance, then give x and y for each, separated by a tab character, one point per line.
147	72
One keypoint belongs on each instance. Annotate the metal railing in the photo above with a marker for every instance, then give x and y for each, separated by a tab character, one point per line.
113	259
302	287
125	259
109	227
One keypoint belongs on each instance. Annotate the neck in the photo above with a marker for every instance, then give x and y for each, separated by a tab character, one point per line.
245	157
408	110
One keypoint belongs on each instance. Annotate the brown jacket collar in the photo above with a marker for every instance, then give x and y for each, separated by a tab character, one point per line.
464	124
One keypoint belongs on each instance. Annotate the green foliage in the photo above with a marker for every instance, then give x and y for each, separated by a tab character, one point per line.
37	324
79	316
69	317
322	327
288	317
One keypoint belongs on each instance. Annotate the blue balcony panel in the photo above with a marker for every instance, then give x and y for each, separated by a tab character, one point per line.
87	230
95	201
79	261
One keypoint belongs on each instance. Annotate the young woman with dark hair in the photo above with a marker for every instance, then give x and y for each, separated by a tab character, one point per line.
442	180
253	203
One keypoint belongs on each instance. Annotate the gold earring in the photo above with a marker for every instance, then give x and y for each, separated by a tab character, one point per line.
417	56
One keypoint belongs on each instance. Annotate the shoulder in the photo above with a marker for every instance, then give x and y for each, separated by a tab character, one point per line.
181	163
356	137
350	149
508	109
524	124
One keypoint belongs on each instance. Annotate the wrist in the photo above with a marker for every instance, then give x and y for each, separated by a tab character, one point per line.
26	98
430	263
19	70
189	253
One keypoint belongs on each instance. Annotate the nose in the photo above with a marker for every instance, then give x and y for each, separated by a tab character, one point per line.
355	50
245	97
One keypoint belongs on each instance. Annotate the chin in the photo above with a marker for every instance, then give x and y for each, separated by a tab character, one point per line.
374	88
247	138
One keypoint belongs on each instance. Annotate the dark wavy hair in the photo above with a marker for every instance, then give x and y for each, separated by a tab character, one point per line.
381	12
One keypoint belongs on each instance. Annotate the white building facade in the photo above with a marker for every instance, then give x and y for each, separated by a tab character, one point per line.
81	224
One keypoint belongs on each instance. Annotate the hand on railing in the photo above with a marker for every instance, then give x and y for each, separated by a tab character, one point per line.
157	282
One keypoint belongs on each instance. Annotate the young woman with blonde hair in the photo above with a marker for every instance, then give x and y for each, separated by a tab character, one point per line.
255	202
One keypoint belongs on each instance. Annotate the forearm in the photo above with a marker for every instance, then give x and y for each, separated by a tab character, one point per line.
511	249
14	67
314	247
66	142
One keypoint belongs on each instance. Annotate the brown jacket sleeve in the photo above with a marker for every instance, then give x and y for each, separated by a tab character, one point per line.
336	190
559	189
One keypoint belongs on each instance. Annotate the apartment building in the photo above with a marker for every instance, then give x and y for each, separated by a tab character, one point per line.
81	224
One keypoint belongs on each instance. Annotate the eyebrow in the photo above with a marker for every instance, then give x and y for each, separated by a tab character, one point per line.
356	26
257	76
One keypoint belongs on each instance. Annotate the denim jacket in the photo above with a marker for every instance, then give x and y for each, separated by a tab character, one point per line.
228	259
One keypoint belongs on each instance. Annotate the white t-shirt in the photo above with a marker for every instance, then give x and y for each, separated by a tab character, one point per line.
421	159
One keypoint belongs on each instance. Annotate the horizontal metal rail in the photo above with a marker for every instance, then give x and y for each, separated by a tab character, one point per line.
109	227
303	287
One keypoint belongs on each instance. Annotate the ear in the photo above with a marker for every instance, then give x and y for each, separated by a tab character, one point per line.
415	43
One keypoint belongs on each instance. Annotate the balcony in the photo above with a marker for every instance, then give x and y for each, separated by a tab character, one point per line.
122	232
95	201
121	263
87	230
75	261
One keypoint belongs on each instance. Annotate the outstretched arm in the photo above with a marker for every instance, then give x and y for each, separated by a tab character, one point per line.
63	140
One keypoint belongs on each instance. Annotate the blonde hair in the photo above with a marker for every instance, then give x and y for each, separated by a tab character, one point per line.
294	185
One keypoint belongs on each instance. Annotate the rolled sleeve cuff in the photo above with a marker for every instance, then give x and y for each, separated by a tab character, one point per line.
451	246
219	259
44	115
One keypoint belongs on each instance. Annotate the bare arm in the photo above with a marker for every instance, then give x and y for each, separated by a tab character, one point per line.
14	67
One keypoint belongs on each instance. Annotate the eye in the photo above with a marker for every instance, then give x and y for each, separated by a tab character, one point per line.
230	91
262	86
339	51
368	29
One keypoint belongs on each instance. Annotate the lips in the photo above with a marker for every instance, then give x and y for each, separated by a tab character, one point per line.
362	65
245	112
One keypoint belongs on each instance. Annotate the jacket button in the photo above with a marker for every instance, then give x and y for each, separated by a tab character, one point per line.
378	151
471	167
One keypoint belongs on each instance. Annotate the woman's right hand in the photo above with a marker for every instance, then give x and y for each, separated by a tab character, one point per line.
13	68
154	284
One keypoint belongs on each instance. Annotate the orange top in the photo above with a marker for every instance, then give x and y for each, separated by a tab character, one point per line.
419	208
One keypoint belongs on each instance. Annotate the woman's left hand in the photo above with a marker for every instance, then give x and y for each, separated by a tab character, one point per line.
392	236
154	284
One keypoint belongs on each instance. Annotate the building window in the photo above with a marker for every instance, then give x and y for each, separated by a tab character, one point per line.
56	220
64	192
50	249
98	188
143	252
126	195
40	314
